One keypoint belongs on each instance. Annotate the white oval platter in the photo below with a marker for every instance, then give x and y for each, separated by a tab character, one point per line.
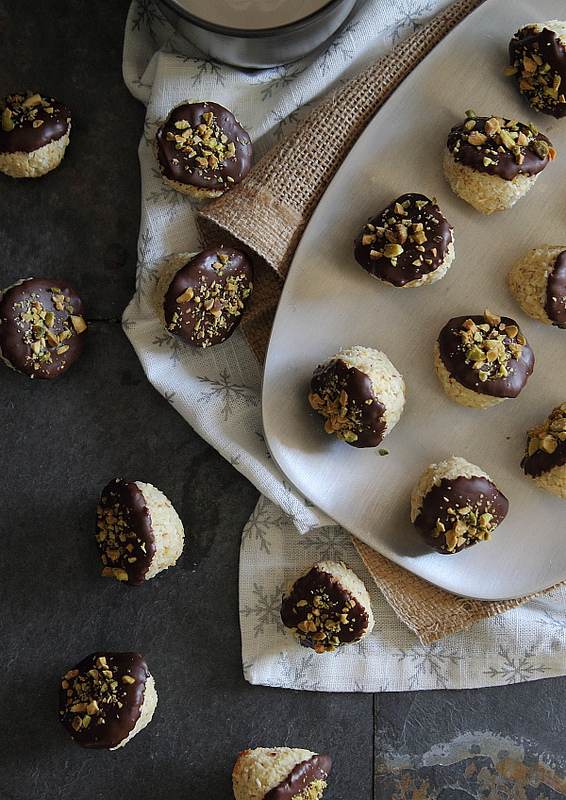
329	302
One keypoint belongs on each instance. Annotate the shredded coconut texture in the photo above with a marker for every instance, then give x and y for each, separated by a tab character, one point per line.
449	469
486	193
37	163
258	771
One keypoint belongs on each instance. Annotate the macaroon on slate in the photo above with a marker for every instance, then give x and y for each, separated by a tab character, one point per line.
456	505
202	150
139	533
545	455
280	773
538	282
107	699
408	244
360	394
537	54
34	134
491	162
482	360
42	327
327	607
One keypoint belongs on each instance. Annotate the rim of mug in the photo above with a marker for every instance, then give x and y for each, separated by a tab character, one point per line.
257	33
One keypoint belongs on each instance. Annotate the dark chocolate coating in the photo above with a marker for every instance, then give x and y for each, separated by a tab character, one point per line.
113	722
542	461
453	352
17	334
546	44
224	284
24	137
335	377
504	165
401	270
336	600
477	492
555	305
122	512
181	166
316	768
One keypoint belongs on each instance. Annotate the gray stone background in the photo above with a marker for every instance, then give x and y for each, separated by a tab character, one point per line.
61	442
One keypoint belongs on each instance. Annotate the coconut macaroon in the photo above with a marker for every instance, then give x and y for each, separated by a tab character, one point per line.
491	162
107	699
139	533
42	327
360	394
482	360
456	505
206	298
203	150
327	607
280	773
538	282
537	54
408	244
34	134
545	455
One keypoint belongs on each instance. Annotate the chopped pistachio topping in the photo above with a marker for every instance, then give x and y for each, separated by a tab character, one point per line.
92	694
538	81
206	143
213	307
496	137
322	620
489	346
405	228
119	545
19	109
43	330
463	526
342	418
550	435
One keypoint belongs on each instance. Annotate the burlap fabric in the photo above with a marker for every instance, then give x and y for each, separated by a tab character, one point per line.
267	215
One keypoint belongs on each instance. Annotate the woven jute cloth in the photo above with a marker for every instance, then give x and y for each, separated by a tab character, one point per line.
266	216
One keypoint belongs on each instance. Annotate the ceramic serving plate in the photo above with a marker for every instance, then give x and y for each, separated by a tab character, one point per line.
329	302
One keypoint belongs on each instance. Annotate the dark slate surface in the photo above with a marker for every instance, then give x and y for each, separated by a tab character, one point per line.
62	441
504	743
79	221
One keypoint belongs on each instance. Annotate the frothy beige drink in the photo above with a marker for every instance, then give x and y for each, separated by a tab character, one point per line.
252	14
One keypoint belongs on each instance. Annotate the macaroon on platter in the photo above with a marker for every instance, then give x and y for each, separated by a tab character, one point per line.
415	383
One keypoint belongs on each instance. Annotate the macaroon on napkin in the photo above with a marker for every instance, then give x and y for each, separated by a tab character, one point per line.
218	390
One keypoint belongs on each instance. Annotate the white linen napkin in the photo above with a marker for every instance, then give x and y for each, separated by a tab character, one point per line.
218	390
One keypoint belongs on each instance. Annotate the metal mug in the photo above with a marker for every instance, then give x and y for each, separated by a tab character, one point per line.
263	47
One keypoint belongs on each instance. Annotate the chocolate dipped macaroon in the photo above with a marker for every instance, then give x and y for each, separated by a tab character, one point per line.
360	394
537	54
139	533
107	699
203	150
42	327
538	282
491	162
206	298
34	134
327	607
408	244
545	456
280	773
456	505
482	360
